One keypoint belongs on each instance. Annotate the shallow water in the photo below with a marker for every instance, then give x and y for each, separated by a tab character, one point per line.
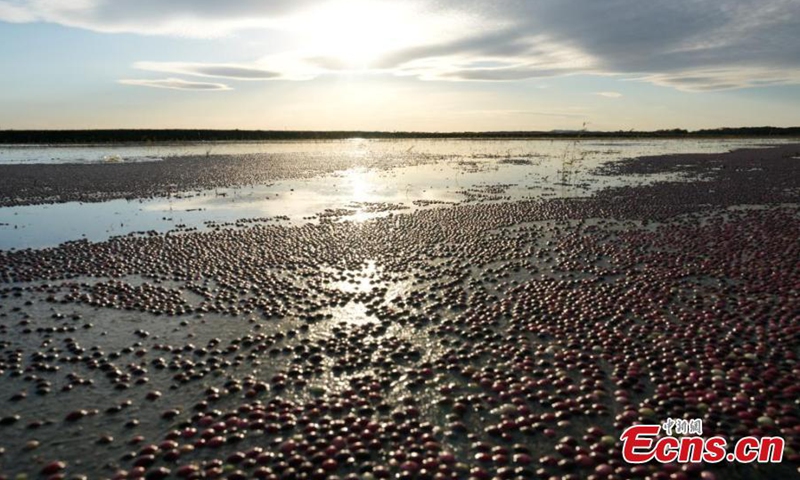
11	154
458	171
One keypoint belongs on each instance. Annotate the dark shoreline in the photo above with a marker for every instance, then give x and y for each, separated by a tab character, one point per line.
22	137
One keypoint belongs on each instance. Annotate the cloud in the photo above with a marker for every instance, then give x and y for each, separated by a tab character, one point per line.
188	18
176	84
609	94
219	70
15	13
691	45
283	66
698	80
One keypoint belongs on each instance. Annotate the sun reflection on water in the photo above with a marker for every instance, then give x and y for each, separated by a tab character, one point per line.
359	184
352	313
358	281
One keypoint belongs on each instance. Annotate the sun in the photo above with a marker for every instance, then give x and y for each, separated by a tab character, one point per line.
354	35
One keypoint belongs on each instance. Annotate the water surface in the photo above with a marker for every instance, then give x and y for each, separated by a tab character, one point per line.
440	172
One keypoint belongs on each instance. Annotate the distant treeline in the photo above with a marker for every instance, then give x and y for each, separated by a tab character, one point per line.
154	136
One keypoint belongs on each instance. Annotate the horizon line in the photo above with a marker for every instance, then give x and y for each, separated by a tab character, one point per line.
145	135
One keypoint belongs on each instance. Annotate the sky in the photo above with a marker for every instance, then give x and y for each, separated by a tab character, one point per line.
410	65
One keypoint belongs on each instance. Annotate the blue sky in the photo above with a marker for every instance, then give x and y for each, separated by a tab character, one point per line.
399	65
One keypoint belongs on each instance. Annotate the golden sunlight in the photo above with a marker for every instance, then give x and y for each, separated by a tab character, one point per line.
352	35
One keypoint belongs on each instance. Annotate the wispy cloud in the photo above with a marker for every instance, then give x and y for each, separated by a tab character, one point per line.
186	18
691	45
219	70
283	66
175	84
698	80
609	94
16	13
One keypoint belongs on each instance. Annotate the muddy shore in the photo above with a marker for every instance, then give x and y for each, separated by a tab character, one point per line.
41	183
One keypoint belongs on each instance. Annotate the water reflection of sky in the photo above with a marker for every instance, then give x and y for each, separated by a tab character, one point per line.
362	148
471	172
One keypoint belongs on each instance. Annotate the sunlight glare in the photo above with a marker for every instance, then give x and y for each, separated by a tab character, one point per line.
360	185
352	35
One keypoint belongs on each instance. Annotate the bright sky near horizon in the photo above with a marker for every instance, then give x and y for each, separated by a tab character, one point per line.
425	65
